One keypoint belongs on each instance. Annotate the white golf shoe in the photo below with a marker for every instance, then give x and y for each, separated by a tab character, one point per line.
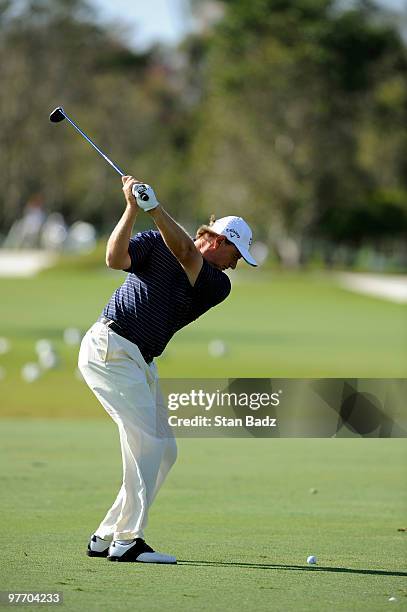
137	551
98	547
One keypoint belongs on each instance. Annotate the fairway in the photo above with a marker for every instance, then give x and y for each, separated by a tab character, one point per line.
237	513
273	325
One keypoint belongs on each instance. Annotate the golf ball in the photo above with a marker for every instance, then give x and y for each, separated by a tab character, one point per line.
48	360
72	336
43	346
4	346
30	372
311	560
216	348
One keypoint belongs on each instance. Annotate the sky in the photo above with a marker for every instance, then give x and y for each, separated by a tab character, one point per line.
148	21
151	21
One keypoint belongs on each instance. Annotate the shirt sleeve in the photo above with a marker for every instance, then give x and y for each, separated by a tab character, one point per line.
212	286
140	247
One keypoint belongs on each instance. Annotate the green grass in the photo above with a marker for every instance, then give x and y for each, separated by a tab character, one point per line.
273	324
237	513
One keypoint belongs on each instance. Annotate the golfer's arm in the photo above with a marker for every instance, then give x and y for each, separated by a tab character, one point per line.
178	241
117	249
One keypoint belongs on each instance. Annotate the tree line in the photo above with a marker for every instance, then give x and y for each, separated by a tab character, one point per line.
288	112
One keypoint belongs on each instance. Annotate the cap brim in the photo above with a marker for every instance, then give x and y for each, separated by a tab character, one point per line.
247	257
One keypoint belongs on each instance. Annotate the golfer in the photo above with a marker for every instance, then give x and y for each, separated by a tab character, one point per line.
171	281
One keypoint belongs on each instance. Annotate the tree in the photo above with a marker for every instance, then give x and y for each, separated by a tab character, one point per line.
52	52
286	110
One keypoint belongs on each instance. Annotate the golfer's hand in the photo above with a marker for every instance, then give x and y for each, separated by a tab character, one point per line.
145	196
128	183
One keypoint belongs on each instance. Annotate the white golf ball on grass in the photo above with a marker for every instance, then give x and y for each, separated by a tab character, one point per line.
4	346
30	372
48	360
311	560
72	336
217	348
43	346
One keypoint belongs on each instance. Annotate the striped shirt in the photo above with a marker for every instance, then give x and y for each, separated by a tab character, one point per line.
157	299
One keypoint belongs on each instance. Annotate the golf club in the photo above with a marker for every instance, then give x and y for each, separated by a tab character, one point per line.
58	115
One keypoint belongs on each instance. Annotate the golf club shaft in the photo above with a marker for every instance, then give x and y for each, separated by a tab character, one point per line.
109	161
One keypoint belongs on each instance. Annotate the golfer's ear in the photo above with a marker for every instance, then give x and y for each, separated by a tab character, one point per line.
218	241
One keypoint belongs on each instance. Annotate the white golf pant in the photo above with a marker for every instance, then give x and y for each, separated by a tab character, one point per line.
128	389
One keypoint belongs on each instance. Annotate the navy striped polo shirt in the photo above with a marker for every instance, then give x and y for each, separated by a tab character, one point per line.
157	299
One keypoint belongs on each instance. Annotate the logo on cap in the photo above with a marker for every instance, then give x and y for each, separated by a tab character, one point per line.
232	232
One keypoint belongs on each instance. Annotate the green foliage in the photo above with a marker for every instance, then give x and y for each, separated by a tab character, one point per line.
291	130
290	113
384	213
53	53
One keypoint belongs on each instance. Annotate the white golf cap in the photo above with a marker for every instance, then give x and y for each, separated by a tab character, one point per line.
237	231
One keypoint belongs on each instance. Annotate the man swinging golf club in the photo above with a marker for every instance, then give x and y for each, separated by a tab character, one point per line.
171	281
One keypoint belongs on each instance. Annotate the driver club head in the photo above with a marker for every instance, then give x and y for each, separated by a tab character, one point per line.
57	115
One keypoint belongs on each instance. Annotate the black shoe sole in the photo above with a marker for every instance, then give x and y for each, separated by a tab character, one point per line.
93	553
131	555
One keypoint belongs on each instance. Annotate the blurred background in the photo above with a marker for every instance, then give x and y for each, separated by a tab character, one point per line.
290	113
